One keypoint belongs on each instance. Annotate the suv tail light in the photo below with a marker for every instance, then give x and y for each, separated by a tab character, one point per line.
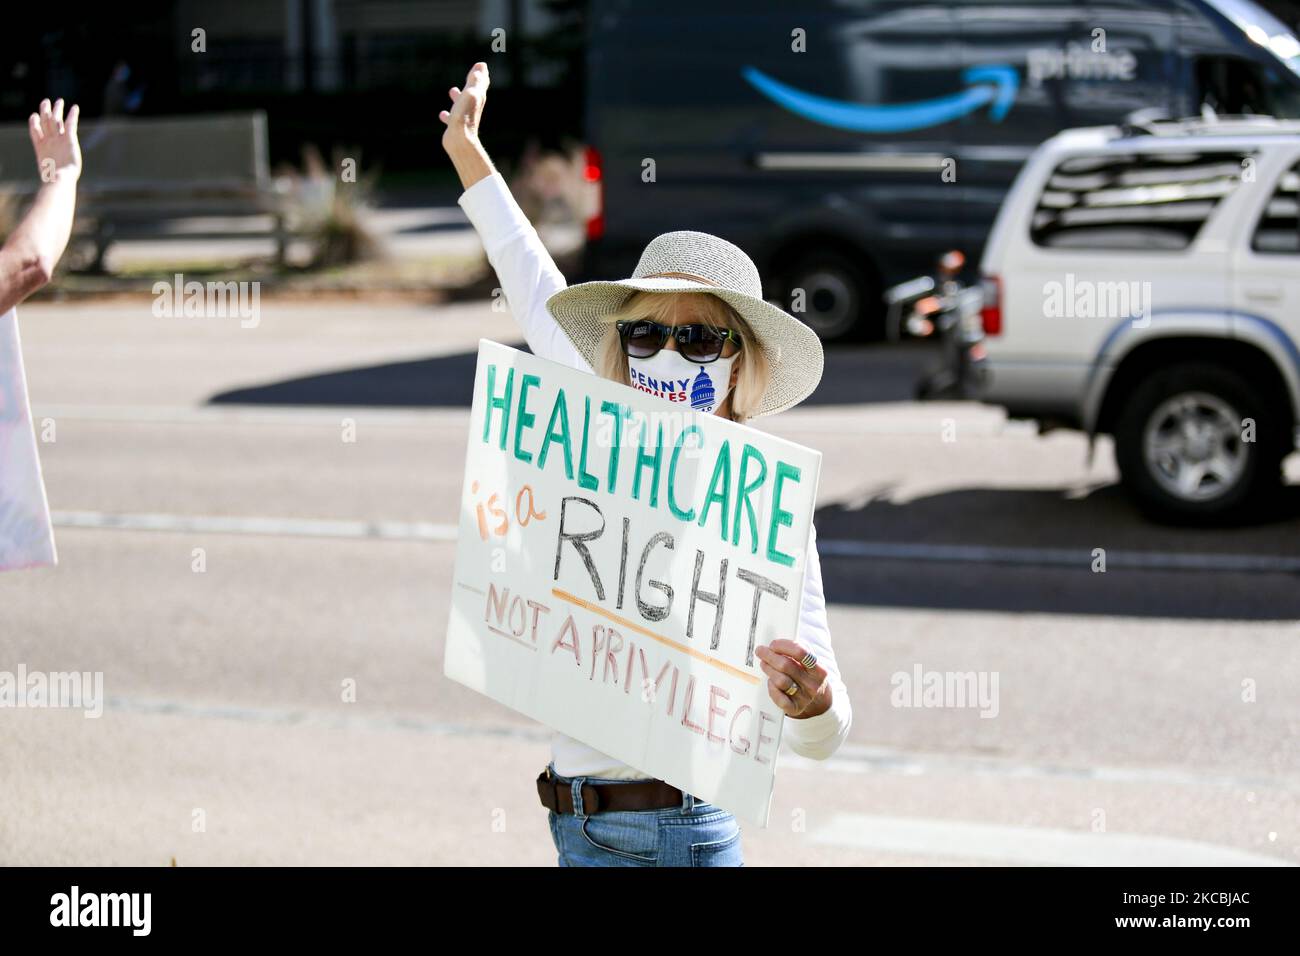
593	173
991	310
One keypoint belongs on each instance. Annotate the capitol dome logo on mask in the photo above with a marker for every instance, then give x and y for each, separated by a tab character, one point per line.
702	392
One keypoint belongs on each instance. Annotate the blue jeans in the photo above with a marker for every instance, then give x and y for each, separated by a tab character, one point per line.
693	834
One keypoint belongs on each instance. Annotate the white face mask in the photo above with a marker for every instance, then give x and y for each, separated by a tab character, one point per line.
666	374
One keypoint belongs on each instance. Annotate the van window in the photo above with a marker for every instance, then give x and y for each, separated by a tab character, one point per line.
1147	202
1278	229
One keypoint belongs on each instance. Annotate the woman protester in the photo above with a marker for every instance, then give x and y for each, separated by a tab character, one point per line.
692	311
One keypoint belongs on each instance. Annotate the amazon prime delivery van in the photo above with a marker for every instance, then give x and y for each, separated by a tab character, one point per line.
844	144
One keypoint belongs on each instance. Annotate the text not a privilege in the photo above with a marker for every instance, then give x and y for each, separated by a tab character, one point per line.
606	657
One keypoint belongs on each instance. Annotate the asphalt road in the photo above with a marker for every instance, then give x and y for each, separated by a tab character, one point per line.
1147	714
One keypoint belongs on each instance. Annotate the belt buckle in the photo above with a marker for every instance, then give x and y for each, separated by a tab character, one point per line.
546	791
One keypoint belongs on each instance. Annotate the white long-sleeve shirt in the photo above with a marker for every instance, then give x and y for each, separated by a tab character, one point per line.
528	277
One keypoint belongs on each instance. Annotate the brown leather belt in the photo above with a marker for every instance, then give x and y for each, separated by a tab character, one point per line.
602	797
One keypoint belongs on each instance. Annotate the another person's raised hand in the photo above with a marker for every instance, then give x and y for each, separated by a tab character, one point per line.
54	138
30	253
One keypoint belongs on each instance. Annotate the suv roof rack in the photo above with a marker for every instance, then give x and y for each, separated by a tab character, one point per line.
1144	123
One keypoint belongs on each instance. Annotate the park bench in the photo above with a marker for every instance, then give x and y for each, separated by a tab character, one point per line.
142	175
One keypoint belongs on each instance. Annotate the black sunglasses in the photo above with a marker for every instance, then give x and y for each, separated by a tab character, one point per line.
700	344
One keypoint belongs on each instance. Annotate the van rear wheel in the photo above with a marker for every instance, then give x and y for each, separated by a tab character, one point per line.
1197	442
833	295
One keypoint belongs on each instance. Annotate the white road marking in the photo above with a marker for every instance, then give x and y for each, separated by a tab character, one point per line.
293	415
290	527
901	419
317	718
1033	845
856	758
845	548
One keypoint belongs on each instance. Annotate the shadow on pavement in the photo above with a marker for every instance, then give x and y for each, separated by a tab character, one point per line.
1032	550
854	375
443	382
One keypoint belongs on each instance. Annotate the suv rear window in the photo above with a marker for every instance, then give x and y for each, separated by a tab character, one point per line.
1278	229
1139	201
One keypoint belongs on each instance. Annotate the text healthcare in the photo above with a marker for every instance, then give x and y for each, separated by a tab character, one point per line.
730	500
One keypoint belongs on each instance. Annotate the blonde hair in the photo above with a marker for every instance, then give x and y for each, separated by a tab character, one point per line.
753	370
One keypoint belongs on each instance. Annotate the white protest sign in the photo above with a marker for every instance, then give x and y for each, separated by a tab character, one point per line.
26	538
618	561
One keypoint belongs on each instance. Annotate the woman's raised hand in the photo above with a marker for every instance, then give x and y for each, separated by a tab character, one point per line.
466	111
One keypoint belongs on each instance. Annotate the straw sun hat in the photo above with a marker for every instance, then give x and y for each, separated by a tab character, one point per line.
698	262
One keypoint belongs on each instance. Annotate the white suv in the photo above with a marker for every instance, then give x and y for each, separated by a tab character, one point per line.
1144	282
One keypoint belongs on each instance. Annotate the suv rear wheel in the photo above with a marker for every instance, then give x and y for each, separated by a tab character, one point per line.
1186	447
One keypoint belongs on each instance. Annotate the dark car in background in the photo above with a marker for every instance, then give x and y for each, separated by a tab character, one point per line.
844	145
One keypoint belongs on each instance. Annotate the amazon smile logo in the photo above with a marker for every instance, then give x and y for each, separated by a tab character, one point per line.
994	85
